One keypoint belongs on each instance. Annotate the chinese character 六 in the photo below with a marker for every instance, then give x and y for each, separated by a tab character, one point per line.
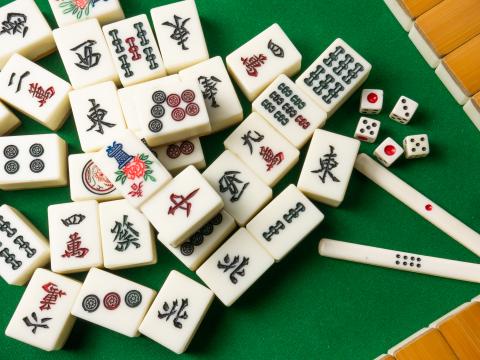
35	323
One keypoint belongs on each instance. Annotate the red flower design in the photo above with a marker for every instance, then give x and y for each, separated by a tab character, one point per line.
81	3
135	168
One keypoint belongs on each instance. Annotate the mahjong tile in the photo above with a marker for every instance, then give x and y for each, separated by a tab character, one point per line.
67	12
177	156
8	121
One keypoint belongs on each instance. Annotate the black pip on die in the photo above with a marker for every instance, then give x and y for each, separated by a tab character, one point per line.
367	129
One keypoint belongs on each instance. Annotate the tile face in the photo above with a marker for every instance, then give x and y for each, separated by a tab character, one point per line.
265	151
170	110
179	34
255	64
85	53
42	318
182	207
67	12
127	237
292	113
388	152
371	101
328	166
243	193
75	240
32	161
35	92
176	157
223	107
24	31
134	50
403	110
113	302
235	266
176	313
416	146
193	252
134	170
334	76
284	222
8	121
87	181
367	129
97	113
23	248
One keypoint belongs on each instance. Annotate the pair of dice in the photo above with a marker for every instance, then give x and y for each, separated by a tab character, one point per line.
371	102
414	146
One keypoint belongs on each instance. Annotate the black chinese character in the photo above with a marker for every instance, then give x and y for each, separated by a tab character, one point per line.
96	115
327	164
234	265
35	323
180	33
89	58
248	138
209	91
20	79
125	234
180	313
229	182
15	23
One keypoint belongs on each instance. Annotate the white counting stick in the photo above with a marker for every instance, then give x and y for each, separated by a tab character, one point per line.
451	269
419	203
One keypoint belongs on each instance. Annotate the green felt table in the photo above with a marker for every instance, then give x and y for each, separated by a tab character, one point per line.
306	305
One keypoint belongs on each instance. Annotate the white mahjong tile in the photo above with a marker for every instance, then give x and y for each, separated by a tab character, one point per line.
182	206
113	302
223	107
176	157
24	30
204	241
42	317
85	53
235	266
32	161
177	312
388	152
35	92
334	76
134	50
87	181
255	64
8	121
67	12
328	166
262	148
75	239
284	222
23	248
132	167
169	110
243	193
127	237
292	113
179	34
97	114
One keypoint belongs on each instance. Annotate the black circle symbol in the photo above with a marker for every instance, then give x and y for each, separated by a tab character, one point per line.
217	219
197	239
37	165
155	125
10	151
36	150
11	167
187	248
207	229
157	111
133	298
159	97
90	303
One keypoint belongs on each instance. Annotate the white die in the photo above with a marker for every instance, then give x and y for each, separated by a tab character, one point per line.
134	50
177	311
388	152
193	252
367	129
170	110
127	237
284	222
32	161
179	34
35	92
291	112
67	12
24	31
85	53
97	114
42	317
255	64
416	146
132	167
262	148
328	166
243	193
371	101
87	181
74	233
23	248
223	107
176	157
403	110
235	266
113	302
334	76
182	207
8	121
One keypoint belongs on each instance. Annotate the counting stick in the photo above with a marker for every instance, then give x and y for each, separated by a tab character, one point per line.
418	203
400	260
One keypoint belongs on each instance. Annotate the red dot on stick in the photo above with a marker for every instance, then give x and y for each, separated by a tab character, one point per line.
428	207
372	97
389	150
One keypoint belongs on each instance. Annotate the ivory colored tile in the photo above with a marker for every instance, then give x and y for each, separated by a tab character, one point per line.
472	109
176	157
67	12
8	121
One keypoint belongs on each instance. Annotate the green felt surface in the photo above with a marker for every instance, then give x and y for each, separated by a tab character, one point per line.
308	306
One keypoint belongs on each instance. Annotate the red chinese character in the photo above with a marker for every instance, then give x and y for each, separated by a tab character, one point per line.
270	157
136	190
53	293
181	202
252	63
73	247
40	93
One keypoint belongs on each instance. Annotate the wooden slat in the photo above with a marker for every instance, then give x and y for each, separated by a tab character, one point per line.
415	8
429	346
